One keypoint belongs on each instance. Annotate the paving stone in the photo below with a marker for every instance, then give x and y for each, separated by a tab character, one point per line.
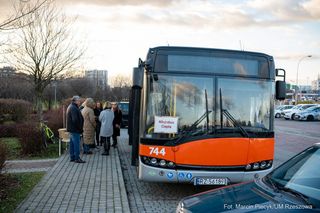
71	187
144	196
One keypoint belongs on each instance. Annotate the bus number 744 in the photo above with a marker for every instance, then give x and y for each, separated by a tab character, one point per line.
155	150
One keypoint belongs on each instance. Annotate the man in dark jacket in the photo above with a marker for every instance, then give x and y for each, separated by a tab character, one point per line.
75	128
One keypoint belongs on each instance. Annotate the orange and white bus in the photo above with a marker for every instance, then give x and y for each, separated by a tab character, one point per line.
203	116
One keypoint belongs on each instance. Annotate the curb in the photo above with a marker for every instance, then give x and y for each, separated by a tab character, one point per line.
123	192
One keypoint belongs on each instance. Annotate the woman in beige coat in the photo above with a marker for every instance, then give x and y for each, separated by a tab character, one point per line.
89	125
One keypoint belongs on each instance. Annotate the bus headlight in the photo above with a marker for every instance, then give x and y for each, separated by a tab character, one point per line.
248	167
171	165
263	165
269	164
162	163
256	166
259	165
153	161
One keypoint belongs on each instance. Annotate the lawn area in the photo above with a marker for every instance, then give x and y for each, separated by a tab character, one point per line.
15	187
13	147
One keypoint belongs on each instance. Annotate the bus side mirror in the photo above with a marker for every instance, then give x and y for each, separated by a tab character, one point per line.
137	77
281	85
280	90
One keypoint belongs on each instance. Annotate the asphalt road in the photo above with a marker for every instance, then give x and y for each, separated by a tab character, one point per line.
291	138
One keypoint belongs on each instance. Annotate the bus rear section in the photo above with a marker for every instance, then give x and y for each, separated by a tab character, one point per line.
202	116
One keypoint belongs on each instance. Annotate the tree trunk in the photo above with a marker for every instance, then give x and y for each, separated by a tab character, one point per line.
39	100
49	103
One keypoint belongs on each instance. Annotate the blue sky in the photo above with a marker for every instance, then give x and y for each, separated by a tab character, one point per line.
118	32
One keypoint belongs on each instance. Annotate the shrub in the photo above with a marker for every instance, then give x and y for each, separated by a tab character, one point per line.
14	109
30	138
8	130
54	119
3	155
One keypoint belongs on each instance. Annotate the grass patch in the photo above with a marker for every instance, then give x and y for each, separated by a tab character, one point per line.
13	147
14	150
15	187
52	151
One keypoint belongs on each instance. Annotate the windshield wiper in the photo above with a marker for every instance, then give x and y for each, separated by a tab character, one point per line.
297	194
228	115
194	125
197	122
235	122
278	188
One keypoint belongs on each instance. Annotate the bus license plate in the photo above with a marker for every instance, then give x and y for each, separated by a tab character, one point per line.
210	181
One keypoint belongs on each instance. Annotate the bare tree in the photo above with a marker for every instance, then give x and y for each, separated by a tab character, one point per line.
121	87
81	86
121	81
25	9
20	89
21	9
45	48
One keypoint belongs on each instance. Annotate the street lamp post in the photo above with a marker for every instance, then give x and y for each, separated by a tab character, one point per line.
55	93
297	90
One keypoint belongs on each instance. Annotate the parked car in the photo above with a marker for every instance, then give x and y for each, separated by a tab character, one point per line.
294	185
289	114
124	106
295	108
281	108
310	114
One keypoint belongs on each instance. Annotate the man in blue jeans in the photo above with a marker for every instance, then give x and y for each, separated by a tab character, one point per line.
75	128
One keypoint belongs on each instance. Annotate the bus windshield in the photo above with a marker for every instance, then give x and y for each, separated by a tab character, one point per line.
248	102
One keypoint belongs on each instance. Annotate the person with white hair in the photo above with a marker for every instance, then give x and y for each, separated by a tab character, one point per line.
106	131
75	128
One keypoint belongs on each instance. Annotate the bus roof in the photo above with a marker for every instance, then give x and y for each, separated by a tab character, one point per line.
205	50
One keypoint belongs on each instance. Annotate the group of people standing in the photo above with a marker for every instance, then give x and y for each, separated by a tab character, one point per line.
96	123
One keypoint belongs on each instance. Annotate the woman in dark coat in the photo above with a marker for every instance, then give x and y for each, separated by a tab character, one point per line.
97	110
116	123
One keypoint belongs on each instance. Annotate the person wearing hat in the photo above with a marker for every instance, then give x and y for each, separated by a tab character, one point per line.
116	123
75	128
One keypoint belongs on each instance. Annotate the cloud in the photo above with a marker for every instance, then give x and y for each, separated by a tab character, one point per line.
295	57
287	10
221	15
313	8
186	14
157	3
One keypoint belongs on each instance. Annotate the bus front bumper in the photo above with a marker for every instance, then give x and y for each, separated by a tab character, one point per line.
155	174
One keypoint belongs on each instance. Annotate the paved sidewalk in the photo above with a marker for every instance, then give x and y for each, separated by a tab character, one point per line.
95	186
20	166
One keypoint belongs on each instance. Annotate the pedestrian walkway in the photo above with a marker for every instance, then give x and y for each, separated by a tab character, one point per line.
95	186
20	166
